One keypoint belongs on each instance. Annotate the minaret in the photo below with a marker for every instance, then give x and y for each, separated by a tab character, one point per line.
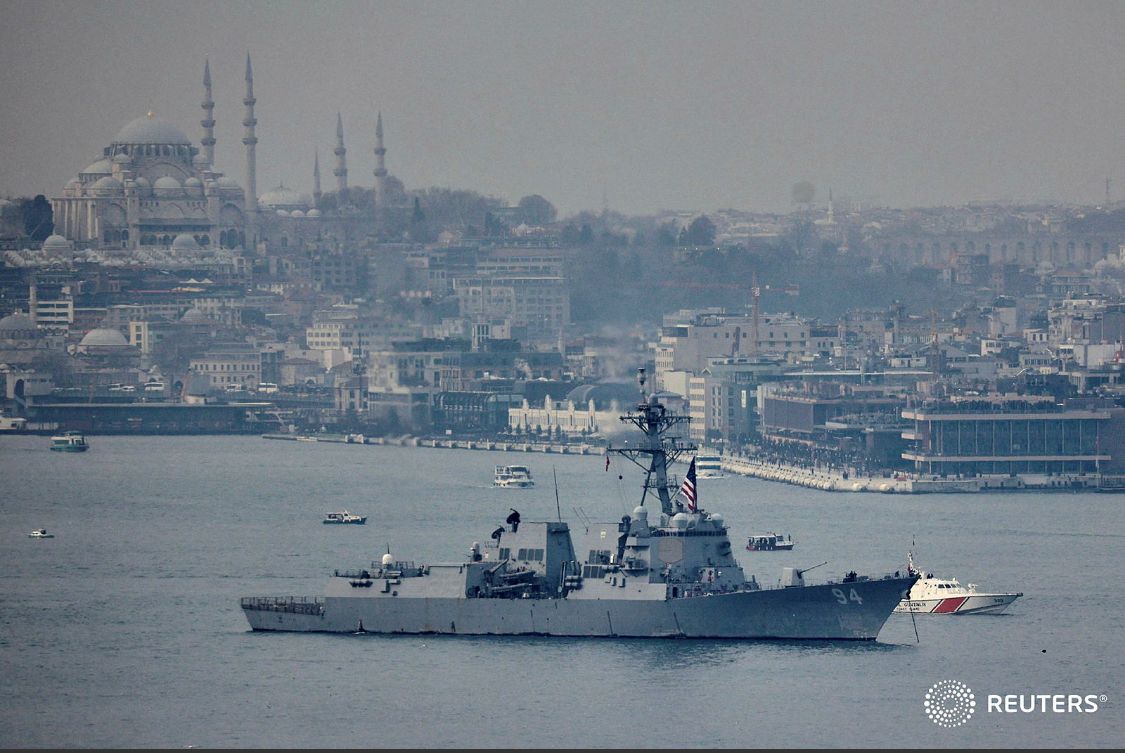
341	171
316	177
250	140
208	121
831	214
380	191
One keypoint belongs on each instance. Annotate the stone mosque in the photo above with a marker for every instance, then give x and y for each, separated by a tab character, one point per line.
151	188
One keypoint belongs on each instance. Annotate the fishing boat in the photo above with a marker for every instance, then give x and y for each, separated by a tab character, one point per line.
40	533
69	441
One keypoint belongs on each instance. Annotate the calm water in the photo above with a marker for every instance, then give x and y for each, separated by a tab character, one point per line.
125	629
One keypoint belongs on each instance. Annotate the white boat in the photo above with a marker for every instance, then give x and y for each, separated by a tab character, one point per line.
708	466
69	441
12	423
769	542
40	533
513	476
931	595
345	517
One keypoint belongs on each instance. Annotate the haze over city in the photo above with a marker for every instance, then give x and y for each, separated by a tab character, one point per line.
649	105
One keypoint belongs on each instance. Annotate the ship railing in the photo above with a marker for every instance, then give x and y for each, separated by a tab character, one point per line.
313	605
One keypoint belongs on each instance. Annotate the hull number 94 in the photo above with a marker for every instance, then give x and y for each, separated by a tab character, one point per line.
844	598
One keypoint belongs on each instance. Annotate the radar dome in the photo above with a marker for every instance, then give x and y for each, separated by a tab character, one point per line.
388	559
680	520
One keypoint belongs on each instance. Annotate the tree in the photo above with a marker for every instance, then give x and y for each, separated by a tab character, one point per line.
38	218
666	235
701	231
586	235
536	210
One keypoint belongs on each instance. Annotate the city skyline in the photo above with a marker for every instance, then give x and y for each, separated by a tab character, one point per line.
654	107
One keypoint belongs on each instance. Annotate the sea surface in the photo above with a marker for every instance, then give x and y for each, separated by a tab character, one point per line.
125	630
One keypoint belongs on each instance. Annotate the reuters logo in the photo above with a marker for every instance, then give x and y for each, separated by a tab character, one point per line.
950	703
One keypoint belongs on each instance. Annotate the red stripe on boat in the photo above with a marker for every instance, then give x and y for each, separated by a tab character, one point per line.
950	605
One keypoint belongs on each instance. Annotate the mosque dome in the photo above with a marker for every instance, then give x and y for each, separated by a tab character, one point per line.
150	130
143	186
107	186
17	327
284	198
193	186
195	316
121	158
184	242
313	213
167	186
282	213
104	337
56	243
101	167
228	184
296	213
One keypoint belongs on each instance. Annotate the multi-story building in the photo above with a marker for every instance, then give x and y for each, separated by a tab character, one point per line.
537	305
1007	434
689	338
230	365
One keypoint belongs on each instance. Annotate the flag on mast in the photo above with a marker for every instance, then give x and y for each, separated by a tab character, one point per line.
687	489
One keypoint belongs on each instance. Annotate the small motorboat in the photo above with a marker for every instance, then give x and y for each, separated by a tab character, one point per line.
40	533
344	518
931	595
513	476
769	542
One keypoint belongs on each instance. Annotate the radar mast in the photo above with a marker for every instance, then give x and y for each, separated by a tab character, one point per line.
657	449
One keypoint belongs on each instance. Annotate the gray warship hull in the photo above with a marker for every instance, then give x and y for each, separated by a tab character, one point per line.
832	611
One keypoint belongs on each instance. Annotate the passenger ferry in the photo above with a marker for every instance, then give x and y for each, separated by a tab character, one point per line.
930	595
69	441
514	476
13	423
708	466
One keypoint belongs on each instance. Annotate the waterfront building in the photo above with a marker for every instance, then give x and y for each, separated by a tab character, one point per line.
1003	434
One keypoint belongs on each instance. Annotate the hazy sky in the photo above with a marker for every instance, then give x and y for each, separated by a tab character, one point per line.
662	105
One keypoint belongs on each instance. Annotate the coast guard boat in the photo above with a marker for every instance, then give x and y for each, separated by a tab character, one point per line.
666	571
932	595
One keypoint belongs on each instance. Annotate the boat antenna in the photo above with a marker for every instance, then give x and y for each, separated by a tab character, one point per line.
558	508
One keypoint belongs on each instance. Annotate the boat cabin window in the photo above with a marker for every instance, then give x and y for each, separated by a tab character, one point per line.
505	553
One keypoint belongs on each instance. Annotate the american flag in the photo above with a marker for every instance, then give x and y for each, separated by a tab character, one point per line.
688	487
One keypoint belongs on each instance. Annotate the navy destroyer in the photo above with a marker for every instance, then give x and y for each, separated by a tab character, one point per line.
668	574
